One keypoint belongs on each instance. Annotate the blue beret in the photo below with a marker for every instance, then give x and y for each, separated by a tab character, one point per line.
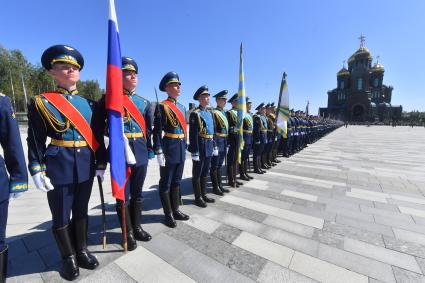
221	94
202	90
129	64
170	77
61	53
234	97
260	106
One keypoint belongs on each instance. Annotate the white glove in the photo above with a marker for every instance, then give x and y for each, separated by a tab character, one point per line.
161	159
227	149
129	156
101	174
215	151
13	196
195	157
42	182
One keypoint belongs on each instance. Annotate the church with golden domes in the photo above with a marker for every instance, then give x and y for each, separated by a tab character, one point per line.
361	94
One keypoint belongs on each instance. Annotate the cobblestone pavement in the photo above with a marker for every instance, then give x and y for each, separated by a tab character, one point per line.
349	208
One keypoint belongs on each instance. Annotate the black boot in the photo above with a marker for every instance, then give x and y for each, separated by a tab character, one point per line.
84	258
245	168
257	166
204	191
3	264
220	184
231	177
136	208
175	204
196	184
234	176
70	270
131	241
214	181
166	206
242	171
263	162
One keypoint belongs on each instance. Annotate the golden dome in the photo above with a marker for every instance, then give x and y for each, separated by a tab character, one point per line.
361	52
378	68
343	72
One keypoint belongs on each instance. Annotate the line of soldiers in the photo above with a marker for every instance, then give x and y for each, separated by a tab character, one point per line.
65	169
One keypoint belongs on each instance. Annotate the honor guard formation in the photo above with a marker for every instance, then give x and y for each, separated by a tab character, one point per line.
75	129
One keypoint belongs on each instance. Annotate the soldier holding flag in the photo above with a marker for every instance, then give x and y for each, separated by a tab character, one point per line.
137	133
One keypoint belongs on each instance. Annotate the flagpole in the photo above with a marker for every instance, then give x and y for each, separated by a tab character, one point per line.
24	89
13	90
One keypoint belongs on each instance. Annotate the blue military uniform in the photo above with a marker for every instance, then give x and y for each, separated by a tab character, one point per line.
14	164
220	137
267	155
140	143
248	127
67	161
232	144
201	146
259	138
173	146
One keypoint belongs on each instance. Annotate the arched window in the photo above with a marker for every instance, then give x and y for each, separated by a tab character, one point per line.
341	85
359	84
375	82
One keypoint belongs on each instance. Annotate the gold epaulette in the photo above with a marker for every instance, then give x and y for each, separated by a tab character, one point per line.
57	125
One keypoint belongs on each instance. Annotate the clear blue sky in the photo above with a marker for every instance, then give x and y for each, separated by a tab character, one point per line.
200	40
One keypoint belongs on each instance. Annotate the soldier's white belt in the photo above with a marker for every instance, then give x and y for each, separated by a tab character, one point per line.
68	143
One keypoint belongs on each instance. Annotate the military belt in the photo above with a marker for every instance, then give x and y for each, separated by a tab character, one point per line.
134	135
174	136
68	143
247	131
264	130
221	135
206	136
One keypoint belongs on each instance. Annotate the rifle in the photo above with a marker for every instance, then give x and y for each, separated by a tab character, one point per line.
102	200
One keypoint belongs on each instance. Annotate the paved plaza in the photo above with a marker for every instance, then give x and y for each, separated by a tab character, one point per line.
349	208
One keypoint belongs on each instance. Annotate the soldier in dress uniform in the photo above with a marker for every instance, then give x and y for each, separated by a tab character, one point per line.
220	138
248	126
267	146
66	168
170	148
232	142
137	130
201	145
271	136
259	137
13	172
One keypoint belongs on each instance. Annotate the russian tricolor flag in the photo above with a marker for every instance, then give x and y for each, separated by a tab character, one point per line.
114	104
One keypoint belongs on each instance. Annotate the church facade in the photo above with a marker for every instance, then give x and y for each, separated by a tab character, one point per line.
361	94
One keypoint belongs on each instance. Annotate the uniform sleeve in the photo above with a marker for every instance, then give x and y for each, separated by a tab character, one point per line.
157	128
193	133
99	120
36	140
256	129
148	120
10	140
